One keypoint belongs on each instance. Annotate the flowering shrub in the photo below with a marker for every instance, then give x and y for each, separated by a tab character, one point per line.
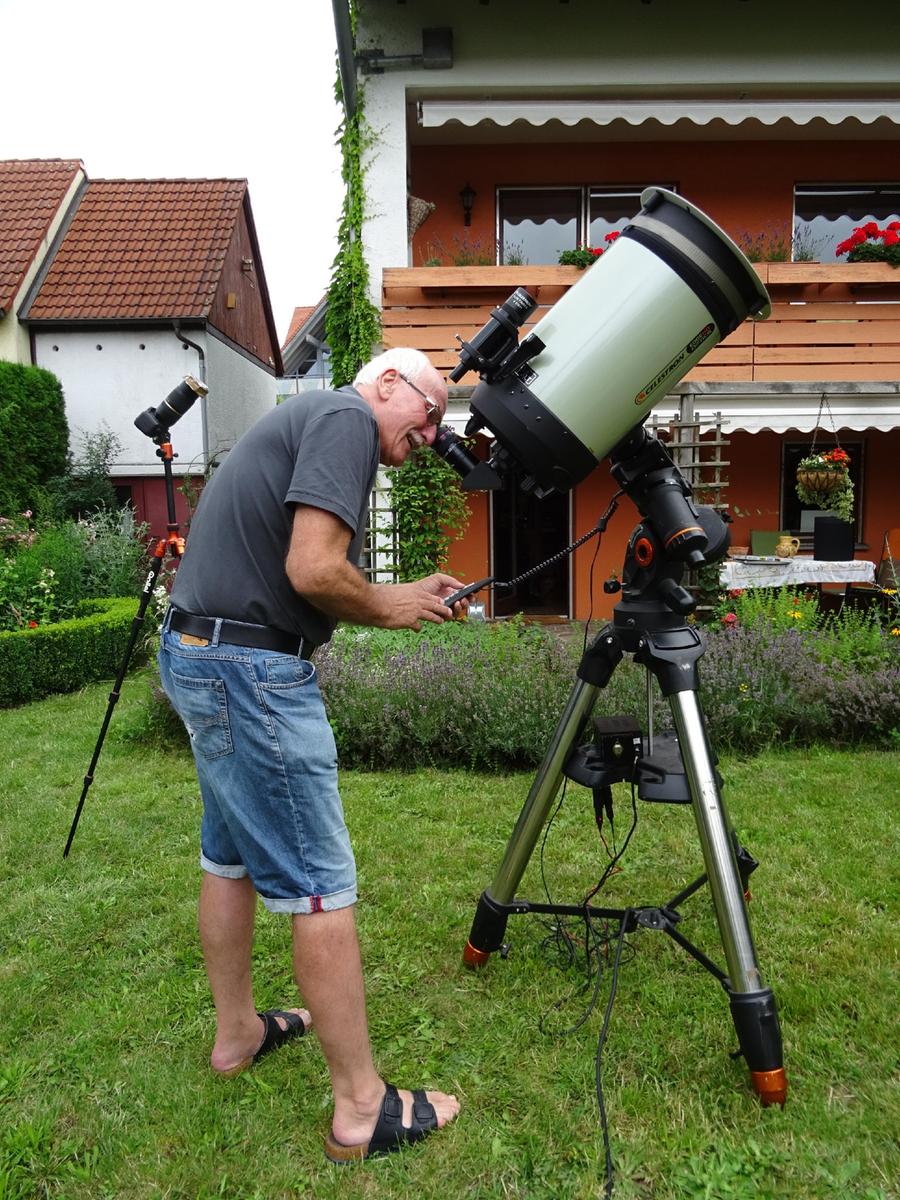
16	532
585	256
45	572
868	243
837	497
776	608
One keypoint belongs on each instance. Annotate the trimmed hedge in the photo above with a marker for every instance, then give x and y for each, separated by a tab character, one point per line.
65	656
34	434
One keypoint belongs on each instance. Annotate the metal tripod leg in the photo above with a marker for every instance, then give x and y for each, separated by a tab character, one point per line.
594	672
490	920
752	1004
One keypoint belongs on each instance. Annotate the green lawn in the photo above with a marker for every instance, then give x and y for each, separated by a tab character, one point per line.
106	1020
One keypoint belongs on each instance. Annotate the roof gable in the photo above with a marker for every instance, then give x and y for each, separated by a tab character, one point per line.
300	317
142	249
31	192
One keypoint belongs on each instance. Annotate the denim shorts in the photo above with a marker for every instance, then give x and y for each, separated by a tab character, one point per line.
267	767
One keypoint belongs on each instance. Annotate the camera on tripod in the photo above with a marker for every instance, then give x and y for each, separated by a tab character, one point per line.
156	422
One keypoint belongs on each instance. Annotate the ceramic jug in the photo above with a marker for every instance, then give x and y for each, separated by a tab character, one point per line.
787	546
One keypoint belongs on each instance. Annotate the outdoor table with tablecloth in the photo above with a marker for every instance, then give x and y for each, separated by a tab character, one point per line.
793	572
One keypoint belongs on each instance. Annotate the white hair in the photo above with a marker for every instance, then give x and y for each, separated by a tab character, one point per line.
402	359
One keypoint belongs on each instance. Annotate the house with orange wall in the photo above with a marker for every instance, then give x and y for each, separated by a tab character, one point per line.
503	135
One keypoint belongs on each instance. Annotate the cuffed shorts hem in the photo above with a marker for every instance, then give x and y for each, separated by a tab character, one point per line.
238	871
311	904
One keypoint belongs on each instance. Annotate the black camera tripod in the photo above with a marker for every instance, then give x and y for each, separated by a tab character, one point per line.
648	622
155	423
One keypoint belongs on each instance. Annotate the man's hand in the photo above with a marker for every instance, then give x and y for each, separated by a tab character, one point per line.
413	603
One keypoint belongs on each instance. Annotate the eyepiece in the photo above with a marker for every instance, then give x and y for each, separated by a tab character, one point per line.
454	451
156	422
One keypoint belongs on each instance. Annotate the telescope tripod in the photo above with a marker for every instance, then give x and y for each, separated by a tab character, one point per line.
173	544
648	624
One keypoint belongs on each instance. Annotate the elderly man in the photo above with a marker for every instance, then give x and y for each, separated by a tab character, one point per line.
268	572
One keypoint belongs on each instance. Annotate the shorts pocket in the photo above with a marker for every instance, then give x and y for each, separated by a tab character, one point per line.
283	673
203	706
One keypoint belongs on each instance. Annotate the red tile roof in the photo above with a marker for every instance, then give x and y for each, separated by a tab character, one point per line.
300	317
141	249
31	191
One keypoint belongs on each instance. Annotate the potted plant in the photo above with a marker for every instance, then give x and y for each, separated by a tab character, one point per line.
823	481
586	256
868	243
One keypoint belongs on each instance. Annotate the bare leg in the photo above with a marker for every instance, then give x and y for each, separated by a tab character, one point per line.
329	972
227	911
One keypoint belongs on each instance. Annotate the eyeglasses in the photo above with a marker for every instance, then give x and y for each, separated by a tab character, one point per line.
432	408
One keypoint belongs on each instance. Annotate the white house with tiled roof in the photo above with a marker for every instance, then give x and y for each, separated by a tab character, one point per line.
35	197
145	282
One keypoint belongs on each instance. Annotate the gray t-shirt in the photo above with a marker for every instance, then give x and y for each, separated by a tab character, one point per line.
321	449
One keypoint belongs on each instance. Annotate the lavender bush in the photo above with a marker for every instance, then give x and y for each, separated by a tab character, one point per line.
489	696
462	694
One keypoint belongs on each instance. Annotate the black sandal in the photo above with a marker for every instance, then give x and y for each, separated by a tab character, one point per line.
273	1037
389	1133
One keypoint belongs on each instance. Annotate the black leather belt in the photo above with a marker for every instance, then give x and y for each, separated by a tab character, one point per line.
236	633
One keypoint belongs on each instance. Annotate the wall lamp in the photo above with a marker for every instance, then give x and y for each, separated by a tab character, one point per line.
467	195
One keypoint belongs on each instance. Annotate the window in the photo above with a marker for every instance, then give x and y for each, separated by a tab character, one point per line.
610	210
799	518
825	214
535	224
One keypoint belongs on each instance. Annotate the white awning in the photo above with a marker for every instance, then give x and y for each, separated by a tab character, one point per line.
753	408
470	112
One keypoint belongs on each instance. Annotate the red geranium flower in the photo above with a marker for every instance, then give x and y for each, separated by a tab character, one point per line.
596	251
611	237
871	229
891	237
32	624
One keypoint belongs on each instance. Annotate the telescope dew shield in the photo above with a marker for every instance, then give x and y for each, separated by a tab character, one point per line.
670	288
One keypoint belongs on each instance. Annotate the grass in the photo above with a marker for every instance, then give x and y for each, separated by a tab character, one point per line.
104	1085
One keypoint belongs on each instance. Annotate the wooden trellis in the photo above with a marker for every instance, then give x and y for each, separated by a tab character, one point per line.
699	450
381	550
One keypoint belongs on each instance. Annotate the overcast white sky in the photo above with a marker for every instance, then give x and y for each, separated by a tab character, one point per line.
196	89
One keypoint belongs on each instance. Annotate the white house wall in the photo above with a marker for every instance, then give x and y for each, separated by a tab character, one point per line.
239	393
133	370
537	47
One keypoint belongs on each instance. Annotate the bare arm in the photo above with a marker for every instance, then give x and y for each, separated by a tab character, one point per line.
317	568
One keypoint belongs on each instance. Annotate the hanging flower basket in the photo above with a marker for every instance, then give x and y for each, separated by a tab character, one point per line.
819	479
823	481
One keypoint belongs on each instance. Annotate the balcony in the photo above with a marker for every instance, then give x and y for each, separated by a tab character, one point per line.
838	322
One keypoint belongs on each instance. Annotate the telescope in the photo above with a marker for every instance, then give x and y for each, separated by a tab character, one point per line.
575	390
668	290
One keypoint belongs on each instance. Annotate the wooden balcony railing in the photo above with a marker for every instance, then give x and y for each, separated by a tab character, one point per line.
836	322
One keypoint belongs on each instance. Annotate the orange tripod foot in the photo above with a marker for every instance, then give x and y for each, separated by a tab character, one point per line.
474	958
770	1086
